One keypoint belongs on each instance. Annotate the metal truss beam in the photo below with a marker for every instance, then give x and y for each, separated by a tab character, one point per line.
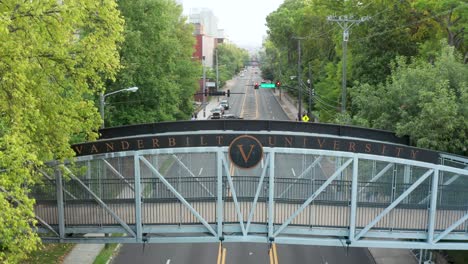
178	195
311	198
101	203
311	166
234	196
117	173
257	193
192	175
451	228
337	242
51	180
394	204
377	176
219	198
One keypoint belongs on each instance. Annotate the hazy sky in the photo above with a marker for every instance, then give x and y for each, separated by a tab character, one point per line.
243	21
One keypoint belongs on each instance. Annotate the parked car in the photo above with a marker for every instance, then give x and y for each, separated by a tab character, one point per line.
224	104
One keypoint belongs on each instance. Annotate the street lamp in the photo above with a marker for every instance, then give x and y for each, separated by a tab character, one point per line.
103	96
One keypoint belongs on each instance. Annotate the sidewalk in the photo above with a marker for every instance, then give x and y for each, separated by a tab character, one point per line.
84	253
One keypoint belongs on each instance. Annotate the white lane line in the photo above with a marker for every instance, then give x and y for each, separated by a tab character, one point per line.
168	261
201	169
294	173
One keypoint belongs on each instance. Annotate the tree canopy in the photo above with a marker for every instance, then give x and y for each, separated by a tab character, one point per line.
157	58
231	59
54	58
418	31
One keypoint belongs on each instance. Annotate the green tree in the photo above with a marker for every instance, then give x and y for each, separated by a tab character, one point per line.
157	58
423	100
54	56
231	59
451	21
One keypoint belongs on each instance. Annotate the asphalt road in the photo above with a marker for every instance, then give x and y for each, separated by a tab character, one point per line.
238	253
253	104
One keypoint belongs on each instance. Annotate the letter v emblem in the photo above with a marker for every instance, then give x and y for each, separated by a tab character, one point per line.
241	149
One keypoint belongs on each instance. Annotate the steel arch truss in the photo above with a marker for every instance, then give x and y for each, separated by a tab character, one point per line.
294	196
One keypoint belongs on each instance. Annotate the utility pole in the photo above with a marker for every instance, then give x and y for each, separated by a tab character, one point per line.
310	90
299	79
345	23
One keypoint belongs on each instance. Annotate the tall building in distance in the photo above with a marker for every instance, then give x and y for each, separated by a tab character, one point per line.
207	34
205	17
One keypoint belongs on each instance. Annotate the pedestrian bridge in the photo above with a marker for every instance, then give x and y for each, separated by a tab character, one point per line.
255	181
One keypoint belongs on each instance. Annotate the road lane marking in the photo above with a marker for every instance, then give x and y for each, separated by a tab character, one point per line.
223	261
168	261
243	102
199	173
293	172
219	254
275	254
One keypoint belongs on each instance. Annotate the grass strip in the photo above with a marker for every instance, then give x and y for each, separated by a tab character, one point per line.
50	253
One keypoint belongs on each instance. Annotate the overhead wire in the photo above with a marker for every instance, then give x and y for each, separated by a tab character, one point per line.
325	104
325	99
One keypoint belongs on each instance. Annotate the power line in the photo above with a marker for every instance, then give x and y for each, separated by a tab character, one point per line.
324	102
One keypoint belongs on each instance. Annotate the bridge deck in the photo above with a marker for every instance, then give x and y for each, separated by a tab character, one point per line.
319	215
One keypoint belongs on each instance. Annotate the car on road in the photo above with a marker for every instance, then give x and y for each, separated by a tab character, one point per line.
230	116
224	104
218	108
215	115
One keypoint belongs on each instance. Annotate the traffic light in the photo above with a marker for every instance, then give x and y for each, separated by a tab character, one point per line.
228	93
256	85
206	92
278	84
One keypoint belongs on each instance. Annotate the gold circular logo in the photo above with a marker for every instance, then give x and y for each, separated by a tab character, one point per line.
245	152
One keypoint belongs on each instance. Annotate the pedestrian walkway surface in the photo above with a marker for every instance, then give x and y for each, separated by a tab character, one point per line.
84	253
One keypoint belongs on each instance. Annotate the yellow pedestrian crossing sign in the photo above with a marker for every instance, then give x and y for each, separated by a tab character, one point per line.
305	118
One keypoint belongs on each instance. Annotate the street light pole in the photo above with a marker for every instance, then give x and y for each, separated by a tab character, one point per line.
102	100
203	85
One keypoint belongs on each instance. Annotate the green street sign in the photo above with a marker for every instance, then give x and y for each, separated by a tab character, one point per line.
267	85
